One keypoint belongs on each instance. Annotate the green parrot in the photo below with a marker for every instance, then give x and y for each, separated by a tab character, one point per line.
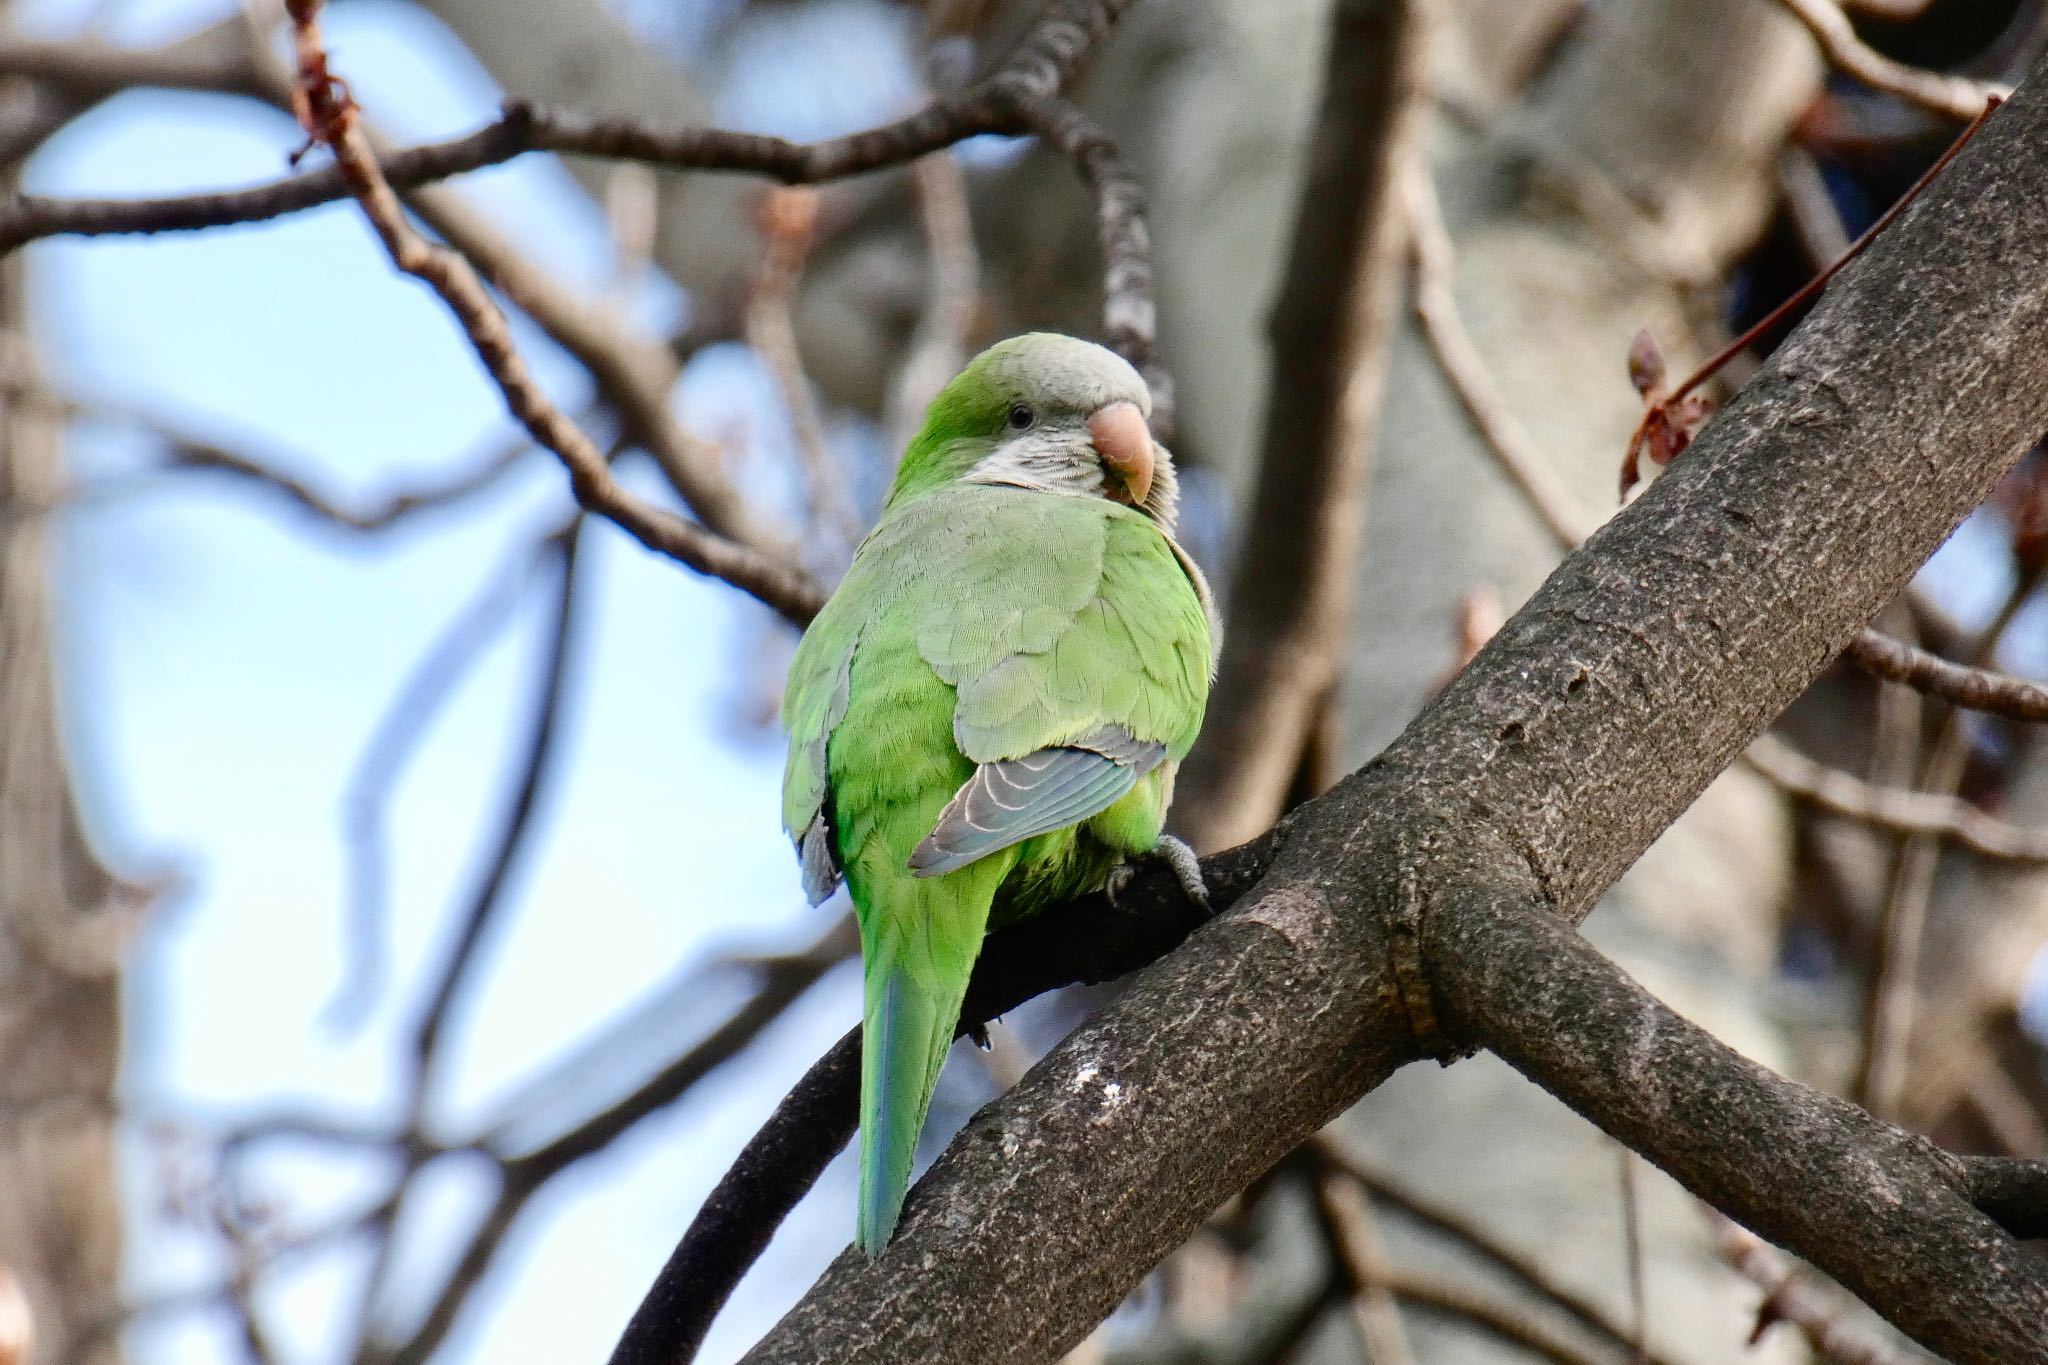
986	717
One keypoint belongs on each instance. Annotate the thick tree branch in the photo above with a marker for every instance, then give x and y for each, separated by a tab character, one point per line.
1088	941
1424	903
1290	599
1883	1211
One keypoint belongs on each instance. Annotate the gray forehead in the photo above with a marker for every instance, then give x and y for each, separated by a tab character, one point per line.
1067	368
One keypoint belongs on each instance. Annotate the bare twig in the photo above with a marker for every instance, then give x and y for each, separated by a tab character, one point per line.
483	905
1672	416
1956	96
1632	1252
1895	971
404	724
1361	1261
523	1174
1789	1298
789	220
1498	1320
1906	812
1975	689
391	509
1525	1273
1459	361
330	118
1129	312
87	68
534	769
1808	202
634	373
939	346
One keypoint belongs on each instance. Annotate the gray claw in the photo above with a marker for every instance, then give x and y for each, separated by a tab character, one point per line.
1187	869
1119	878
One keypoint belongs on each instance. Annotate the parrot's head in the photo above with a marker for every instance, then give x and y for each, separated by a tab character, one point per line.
1050	413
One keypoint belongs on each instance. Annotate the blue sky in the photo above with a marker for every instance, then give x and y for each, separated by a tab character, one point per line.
224	662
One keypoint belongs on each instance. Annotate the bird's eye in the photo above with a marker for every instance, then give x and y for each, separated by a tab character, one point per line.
1021	417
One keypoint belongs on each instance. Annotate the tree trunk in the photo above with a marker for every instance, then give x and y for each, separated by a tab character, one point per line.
63	921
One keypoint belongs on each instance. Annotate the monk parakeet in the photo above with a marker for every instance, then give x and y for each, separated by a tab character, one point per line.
986	717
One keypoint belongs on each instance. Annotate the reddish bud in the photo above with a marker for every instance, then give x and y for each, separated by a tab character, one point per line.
1645	364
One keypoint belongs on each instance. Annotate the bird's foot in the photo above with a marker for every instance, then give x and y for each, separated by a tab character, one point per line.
1119	877
1187	870
1179	859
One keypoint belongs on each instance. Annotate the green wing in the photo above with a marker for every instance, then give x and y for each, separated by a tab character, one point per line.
1092	672
1073	638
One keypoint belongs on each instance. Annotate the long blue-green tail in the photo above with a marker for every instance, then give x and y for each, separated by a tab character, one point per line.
903	1044
919	954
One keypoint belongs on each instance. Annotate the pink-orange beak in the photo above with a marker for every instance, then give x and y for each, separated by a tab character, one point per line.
1124	442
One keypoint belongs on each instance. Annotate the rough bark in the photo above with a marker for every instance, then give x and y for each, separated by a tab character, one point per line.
1602	709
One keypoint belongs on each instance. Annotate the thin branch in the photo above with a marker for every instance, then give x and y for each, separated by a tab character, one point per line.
535	767
331	119
389	510
1129	311
1958	97
1790	1298
636	374
86	68
404	723
484	903
1894	988
1345	1212
1632	1254
789	222
1902	811
1498	1320
939	346
1975	689
1041	66
1514	452
784	978
1527	1274
773	980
